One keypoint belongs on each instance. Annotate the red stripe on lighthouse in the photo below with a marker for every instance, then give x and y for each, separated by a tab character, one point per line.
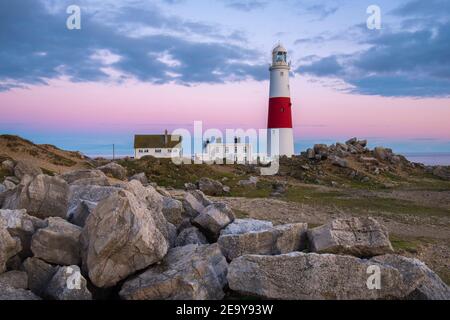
280	113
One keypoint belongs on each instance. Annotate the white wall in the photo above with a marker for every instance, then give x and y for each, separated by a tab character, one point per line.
164	152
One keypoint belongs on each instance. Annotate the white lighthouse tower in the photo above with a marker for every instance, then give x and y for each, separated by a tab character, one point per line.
279	127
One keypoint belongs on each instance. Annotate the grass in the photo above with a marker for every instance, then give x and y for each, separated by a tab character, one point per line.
402	244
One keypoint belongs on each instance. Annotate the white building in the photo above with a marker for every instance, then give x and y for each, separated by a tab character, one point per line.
234	152
158	146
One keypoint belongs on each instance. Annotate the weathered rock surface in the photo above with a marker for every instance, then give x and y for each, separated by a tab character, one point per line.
23	168
10	246
250	182
214	218
190	236
39	274
15	279
68	284
114	170
427	284
240	226
173	210
23	226
10	293
8	166
120	237
187	273
42	196
361	237
337	161
82	211
276	240
141	177
88	193
195	202
313	276
442	172
210	187
58	243
86	177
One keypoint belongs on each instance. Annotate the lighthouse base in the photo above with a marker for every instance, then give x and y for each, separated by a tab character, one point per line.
280	142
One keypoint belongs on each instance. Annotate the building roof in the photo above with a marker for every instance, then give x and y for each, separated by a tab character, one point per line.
156	141
279	48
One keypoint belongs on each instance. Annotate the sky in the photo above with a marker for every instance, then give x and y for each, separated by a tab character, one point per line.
138	67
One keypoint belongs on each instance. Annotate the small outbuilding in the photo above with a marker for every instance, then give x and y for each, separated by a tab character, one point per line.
157	145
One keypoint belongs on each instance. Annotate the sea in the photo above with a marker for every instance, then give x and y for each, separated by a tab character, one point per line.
430	159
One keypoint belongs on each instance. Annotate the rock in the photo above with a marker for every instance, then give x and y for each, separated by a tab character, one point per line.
42	196
148	195
163	191
3	188
341	146
91	194
23	168
190	186
278	188
9	185
427	284
171	235
210	187
250	182
39	274
15	279
187	273
141	177
276	240
120	237
351	141
361	237
321	150
10	246
240	226
335	160
308	276
172	210
190	236
214	218
83	210
68	284
362	143
369	160
381	153
114	170
21	225
8	166
442	172
58	243
226	189
13	294
195	202
86	177
310	154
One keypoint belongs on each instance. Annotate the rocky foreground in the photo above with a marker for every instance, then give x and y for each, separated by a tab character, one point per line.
76	236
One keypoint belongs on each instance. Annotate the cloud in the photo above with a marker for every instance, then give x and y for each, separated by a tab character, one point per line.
245	5
406	62
40	47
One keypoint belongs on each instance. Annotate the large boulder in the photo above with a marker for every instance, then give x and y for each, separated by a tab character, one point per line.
187	273
82	211
210	187
442	172
86	177
195	202
16	279
173	210
321	151
361	237
214	218
23	226
239	226
13	294
68	284
58	243
8	166
141	177
120	237
26	168
114	170
270	241
190	236
339	162
10	246
39	274
42	196
427	285
304	276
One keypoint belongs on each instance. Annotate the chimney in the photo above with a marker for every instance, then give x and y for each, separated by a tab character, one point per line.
166	138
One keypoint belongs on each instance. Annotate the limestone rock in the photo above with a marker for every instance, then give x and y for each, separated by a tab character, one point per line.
39	274
83	210
195	202
15	279
240	226
214	218
114	170
86	177
339	162
68	284
190	236
250	182
10	246
321	150
187	273
210	187
442	172
141	177
120	237
10	293
173	210
92	194
275	240
57	243
23	168
304	276
8	166
361	237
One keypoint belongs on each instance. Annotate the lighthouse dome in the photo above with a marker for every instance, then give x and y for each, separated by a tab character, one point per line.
279	48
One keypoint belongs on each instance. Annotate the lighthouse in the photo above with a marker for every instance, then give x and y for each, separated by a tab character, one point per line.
280	136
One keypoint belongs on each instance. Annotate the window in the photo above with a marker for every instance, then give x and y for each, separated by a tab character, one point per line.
140	150
157	150
281	73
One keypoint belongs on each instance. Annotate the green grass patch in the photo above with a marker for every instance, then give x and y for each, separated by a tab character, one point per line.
240	214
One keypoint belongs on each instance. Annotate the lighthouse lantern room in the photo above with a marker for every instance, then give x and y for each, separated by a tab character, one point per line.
280	134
